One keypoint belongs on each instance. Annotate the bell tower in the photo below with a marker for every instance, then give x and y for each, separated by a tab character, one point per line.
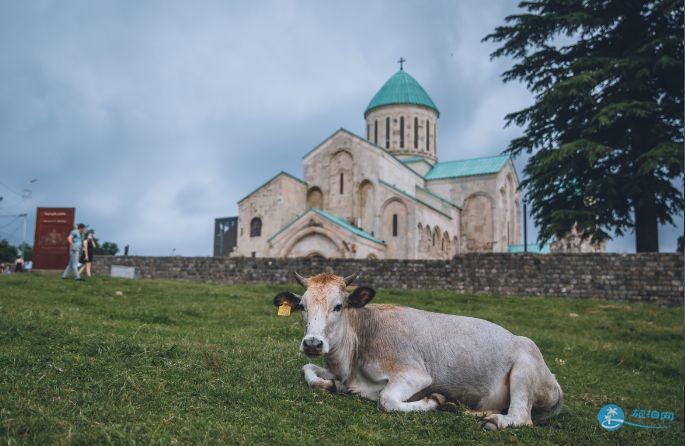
403	119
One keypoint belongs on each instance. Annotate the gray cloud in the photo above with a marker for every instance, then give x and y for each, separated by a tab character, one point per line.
153	118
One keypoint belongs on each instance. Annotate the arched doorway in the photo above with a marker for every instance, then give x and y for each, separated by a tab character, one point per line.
477	229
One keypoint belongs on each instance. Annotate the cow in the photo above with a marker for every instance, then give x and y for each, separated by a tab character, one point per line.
412	360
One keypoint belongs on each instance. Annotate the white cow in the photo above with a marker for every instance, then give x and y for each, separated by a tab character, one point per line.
413	360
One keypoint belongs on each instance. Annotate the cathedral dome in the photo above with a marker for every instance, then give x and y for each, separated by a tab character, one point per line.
401	88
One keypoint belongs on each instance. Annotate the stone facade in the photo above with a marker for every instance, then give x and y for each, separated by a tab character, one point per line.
648	277
572	242
413	131
384	196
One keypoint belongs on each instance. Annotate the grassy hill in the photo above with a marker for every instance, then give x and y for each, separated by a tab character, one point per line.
160	362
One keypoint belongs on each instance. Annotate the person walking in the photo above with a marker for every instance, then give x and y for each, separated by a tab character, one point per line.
75	240
89	246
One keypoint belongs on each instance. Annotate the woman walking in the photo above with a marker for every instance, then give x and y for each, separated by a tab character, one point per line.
89	246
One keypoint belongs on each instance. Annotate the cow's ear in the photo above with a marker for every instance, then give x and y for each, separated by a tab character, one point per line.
289	298
361	296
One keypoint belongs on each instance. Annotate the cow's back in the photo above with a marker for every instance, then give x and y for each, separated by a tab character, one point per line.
465	356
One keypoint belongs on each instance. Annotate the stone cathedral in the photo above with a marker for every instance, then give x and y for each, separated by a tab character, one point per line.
386	195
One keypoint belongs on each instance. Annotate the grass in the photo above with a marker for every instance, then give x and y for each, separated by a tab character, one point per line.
160	362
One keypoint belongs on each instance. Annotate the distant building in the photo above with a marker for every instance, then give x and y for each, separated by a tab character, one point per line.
533	248
385	195
225	235
572	242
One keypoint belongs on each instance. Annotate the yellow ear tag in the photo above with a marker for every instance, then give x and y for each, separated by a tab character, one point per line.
284	309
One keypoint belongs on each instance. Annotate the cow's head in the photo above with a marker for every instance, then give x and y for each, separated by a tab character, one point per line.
324	305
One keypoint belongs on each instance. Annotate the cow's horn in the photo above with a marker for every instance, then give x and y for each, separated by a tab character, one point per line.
351	278
301	280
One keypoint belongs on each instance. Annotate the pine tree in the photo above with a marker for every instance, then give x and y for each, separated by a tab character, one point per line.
605	133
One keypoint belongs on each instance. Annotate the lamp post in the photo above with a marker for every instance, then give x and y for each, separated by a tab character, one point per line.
525	226
23	234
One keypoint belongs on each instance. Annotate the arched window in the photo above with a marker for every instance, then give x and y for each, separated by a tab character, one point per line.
416	133
314	198
387	133
433	238
402	131
255	227
342	178
394	225
428	138
368	132
435	134
375	132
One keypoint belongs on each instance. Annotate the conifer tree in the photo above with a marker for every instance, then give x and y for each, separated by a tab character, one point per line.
605	133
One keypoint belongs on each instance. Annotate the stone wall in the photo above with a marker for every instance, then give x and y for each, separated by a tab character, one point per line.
626	277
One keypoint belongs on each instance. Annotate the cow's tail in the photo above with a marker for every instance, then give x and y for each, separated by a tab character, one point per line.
543	413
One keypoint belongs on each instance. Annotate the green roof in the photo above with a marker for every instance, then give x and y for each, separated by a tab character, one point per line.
465	168
401	88
345	224
533	248
335	220
443	199
413	159
413	198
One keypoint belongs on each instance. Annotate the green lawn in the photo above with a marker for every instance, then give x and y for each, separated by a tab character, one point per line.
186	363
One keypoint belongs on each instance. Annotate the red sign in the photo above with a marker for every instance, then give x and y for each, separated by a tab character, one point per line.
51	249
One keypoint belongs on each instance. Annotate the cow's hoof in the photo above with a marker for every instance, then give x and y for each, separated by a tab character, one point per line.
449	407
490	422
438	398
488	426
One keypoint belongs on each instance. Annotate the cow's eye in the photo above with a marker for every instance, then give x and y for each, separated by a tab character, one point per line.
337	307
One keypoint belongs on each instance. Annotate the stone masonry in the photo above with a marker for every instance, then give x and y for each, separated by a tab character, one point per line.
622	277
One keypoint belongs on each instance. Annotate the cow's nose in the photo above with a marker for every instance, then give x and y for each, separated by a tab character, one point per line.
313	344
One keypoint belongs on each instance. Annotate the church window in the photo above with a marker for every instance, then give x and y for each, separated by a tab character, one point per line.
435	132
387	133
416	133
394	225
375	131
256	227
434	239
402	131
342	177
368	132
428	138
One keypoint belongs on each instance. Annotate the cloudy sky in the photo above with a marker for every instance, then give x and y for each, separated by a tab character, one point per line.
153	118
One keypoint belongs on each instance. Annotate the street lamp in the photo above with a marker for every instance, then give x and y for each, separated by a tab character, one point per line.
525	225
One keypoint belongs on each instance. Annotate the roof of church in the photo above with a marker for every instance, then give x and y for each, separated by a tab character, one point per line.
413	159
417	199
465	168
365	141
282	172
335	220
401	88
343	223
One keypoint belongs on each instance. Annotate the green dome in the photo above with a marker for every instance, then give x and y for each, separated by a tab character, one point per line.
401	88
